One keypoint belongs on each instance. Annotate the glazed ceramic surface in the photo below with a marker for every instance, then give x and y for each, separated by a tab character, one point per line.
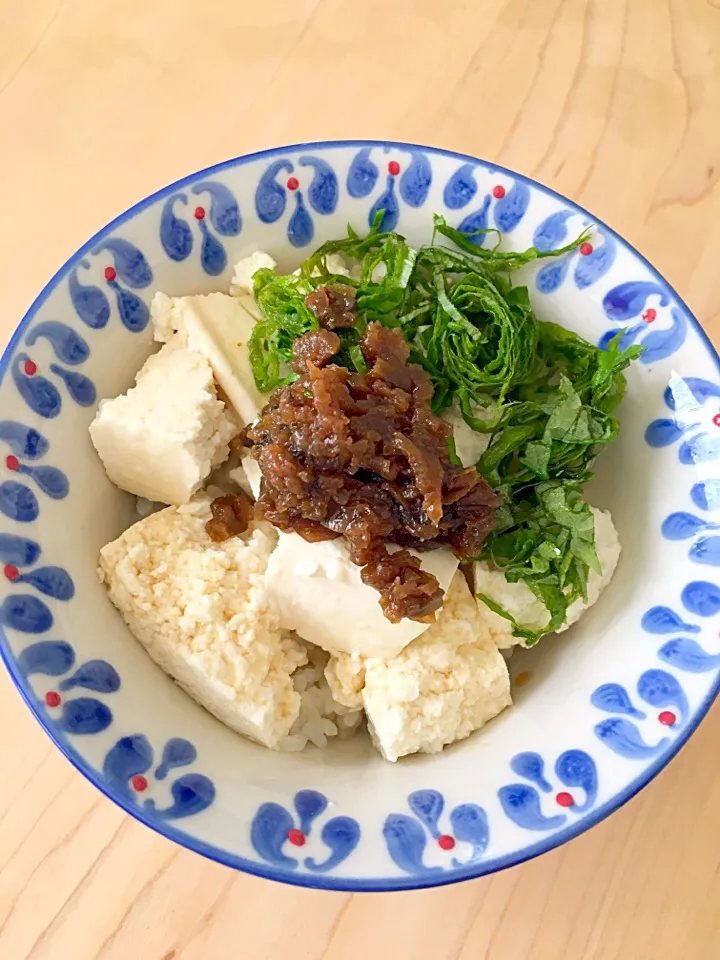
598	711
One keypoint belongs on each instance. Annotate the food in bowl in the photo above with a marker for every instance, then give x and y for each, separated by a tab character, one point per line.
373	472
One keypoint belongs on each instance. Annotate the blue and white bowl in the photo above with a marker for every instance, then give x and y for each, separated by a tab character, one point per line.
602	709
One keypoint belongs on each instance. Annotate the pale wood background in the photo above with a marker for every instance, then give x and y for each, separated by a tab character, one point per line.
614	103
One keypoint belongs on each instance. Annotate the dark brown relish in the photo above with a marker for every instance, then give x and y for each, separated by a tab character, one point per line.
230	516
364	457
334	305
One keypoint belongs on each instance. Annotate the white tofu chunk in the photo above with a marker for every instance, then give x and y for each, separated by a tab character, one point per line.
248	477
247	302
469	444
443	686
318	592
336	265
522	604
245	270
219	327
345	674
201	611
162	438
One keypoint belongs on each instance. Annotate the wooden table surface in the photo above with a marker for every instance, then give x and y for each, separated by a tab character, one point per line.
614	103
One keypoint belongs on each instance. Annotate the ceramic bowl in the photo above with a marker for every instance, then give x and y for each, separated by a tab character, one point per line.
598	711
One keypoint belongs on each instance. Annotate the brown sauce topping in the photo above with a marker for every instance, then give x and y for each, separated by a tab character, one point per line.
364	457
334	305
230	516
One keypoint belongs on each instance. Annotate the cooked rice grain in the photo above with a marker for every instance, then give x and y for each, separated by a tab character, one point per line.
321	717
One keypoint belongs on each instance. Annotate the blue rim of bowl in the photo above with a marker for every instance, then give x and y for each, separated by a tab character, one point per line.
343	884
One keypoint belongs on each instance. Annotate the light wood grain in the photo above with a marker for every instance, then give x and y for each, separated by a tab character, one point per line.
612	102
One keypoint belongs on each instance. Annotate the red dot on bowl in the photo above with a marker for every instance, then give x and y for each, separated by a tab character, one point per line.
11	571
667	718
12	463
586	249
30	367
446	842
716	419
110	274
394	168
139	783
296	837
53	699
564	800
649	315
499	192
199	213
293	183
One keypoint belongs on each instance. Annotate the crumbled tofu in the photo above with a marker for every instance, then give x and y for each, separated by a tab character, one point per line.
162	438
345	675
245	270
219	327
469	444
161	315
443	686
336	265
201	611
319	593
522	604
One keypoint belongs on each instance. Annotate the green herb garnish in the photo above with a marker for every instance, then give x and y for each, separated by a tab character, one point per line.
549	393
281	301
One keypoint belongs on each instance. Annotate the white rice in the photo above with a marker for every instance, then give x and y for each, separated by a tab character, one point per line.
321	717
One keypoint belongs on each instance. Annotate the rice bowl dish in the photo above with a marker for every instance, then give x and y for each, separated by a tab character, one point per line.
236	717
309	468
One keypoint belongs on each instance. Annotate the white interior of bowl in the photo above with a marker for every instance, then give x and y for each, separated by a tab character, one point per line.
553	711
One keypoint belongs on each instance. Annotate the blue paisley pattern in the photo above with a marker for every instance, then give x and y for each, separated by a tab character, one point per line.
275	830
415	180
128	271
223	215
500	207
682	525
76	715
132	757
17	500
524	805
632	729
407	837
688	398
590	262
623	732
631	301
41	394
271	196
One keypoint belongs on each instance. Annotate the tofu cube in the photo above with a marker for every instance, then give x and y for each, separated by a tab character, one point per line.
201	611
219	327
318	592
161	439
443	686
522	604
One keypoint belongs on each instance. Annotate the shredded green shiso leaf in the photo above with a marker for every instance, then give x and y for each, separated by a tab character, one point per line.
548	396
